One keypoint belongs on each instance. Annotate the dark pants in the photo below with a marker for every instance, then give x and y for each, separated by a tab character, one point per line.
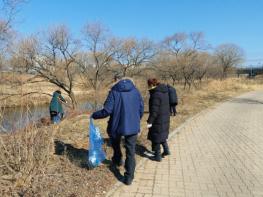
156	147
56	117
173	109
130	143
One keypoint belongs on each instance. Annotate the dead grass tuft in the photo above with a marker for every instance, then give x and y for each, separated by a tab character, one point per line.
23	157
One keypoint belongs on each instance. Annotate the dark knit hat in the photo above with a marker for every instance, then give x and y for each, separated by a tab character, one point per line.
58	91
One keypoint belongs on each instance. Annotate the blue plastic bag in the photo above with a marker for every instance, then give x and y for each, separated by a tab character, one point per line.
96	154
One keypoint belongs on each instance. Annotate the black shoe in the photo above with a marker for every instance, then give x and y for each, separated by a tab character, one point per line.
157	158
165	153
127	180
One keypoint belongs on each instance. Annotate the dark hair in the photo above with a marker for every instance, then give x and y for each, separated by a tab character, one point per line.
118	76
58	91
153	82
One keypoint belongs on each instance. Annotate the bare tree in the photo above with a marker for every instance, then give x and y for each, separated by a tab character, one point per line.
228	56
203	61
167	67
176	43
197	41
182	51
1	62
100	48
22	55
191	67
8	11
53	59
170	58
132	54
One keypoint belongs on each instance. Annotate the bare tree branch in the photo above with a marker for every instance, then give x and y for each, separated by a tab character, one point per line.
228	56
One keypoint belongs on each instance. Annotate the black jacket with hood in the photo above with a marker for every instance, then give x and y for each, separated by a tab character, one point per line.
159	116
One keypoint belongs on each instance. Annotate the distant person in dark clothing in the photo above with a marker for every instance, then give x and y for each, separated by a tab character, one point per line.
124	105
159	118
172	99
55	107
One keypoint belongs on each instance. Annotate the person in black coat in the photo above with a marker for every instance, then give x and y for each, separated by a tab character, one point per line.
158	121
172	99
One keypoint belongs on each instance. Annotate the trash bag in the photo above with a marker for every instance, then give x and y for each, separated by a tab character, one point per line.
96	153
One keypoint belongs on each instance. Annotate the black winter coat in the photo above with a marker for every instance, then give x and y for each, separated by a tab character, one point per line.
172	95
159	116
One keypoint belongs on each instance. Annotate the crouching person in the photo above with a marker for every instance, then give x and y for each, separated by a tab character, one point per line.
158	121
55	108
124	105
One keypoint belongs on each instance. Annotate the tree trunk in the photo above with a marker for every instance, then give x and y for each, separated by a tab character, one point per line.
73	100
185	82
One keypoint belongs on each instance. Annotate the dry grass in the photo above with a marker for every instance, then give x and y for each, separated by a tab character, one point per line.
23	159
212	92
63	174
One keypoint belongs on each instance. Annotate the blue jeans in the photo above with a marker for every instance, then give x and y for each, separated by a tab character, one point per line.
56	118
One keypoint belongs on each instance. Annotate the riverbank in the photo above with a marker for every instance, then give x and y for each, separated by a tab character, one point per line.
26	90
64	173
36	96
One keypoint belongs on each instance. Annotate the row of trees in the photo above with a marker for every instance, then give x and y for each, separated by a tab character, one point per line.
56	56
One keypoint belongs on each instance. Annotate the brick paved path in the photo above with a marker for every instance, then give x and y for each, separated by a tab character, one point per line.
217	153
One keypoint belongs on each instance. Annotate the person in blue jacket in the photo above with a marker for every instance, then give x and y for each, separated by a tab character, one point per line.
55	108
125	107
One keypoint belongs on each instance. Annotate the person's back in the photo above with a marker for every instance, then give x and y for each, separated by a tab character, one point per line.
173	99
127	110
159	113
55	107
172	95
124	105
159	117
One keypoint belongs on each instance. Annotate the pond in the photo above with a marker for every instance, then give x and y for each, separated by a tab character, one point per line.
18	117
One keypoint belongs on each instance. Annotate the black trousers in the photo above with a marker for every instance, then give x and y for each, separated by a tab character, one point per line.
156	147
173	109
130	143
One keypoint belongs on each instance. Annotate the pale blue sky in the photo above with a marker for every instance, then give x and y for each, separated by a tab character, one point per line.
222	21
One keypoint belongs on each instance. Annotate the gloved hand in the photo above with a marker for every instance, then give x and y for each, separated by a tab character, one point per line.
149	126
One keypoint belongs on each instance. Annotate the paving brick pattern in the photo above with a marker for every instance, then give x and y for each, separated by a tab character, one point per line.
219	152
